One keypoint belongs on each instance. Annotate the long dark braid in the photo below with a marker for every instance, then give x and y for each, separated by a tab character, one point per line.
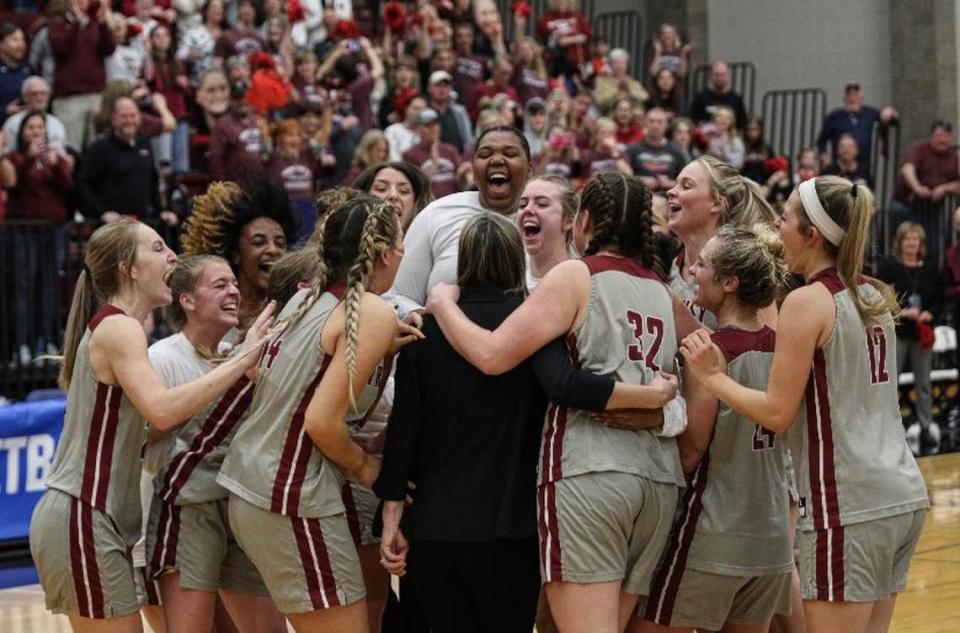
621	210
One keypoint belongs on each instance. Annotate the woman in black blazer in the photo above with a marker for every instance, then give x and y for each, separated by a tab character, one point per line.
469	443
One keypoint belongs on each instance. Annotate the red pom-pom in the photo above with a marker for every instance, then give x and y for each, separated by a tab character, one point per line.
262	61
295	12
402	99
134	29
775	164
521	9
268	91
395	16
346	30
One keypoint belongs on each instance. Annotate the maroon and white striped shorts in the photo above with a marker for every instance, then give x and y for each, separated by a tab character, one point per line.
308	564
85	565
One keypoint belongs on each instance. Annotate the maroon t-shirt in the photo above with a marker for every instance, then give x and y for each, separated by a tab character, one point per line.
236	147
41	191
469	71
236	42
442	173
529	84
562	25
933	169
594	162
297	173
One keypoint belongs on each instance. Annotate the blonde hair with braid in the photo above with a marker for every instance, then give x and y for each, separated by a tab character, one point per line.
349	240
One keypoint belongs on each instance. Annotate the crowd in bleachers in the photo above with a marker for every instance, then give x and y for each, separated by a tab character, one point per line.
128	108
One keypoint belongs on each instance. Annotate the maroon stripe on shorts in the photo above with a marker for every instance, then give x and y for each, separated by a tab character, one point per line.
542	527
556	568
76	560
106	455
308	562
837	565
666	581
214	430
327	580
167	537
813	451
353	517
150	588
829	468
93	444
823	570
293	462
90	556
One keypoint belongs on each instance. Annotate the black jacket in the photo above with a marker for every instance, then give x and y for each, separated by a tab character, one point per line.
119	176
470	442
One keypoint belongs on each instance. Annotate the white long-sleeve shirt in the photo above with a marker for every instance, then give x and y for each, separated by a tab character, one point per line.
430	249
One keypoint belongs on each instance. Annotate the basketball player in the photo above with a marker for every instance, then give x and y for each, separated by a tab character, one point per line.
729	561
286	465
862	498
606	495
191	552
88	520
709	194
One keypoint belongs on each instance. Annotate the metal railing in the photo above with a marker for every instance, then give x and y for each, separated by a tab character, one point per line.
743	81
884	167
623	29
40	263
792	119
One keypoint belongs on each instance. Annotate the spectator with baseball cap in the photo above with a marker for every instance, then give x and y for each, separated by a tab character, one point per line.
855	119
455	126
438	160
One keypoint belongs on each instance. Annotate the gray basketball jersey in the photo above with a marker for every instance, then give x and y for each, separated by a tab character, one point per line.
272	462
629	335
98	457
189	474
735	515
848	444
687	290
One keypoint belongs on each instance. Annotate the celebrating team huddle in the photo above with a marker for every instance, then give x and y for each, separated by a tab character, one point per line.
681	439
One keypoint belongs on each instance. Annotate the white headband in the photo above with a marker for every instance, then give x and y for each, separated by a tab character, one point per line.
830	230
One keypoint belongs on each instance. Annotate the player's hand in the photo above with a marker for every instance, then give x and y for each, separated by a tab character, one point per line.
256	335
441	294
702	357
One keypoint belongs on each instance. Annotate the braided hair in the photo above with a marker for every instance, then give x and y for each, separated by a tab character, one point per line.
622	214
348	240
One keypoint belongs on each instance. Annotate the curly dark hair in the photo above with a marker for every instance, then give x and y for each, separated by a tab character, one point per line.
260	198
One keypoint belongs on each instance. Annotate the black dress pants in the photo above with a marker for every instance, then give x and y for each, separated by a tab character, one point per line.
477	587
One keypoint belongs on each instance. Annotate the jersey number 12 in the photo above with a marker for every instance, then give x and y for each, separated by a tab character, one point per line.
877	350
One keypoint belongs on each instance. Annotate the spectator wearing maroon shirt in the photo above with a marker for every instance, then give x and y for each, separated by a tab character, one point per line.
354	73
628	131
930	172
501	72
565	34
439	161
292	164
38	179
166	75
81	41
244	38
529	72
470	68
236	141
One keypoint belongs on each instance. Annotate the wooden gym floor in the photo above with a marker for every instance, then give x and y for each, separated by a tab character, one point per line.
929	605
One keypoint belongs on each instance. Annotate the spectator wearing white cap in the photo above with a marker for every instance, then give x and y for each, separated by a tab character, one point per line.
455	126
439	161
608	90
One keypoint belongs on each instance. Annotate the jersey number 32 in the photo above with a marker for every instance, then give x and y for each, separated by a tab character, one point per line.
645	328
